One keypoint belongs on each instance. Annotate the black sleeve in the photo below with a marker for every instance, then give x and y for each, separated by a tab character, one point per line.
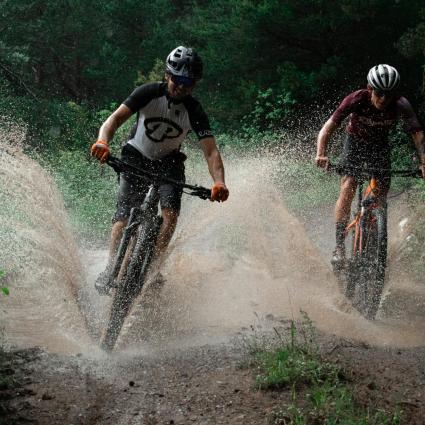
142	95
198	118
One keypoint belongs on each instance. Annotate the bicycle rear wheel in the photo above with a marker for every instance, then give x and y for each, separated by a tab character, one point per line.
132	282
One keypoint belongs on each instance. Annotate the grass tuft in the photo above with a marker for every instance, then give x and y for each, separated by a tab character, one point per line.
318	389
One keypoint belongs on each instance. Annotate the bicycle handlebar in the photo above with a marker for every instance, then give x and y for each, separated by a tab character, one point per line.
369	172
119	166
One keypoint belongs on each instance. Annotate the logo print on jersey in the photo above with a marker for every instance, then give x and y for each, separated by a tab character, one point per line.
159	129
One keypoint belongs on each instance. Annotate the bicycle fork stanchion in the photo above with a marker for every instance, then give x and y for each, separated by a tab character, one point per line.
133	222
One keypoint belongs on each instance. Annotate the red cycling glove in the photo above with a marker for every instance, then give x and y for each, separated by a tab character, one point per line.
219	192
100	150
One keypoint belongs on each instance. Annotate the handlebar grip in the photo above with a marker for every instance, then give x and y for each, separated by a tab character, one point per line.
115	163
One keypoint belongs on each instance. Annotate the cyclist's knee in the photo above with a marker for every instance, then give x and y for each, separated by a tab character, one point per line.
169	217
120	224
117	228
348	187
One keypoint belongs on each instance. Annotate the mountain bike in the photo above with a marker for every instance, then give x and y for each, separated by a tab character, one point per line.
136	249
363	274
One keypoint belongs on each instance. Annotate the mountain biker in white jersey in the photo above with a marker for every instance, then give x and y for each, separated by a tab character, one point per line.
166	112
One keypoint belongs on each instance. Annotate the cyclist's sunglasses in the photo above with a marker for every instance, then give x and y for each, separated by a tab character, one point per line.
382	93
182	81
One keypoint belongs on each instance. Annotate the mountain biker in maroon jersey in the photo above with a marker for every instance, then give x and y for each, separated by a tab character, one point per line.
372	113
166	112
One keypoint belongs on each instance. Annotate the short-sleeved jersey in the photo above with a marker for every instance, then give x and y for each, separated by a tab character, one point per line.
370	123
162	122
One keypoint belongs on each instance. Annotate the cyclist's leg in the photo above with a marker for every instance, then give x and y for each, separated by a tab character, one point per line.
116	234
166	231
345	199
170	201
131	193
350	161
342	216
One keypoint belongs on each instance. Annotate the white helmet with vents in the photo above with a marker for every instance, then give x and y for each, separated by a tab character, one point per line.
383	77
184	62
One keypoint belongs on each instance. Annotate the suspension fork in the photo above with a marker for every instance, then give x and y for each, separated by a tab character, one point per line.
133	222
137	214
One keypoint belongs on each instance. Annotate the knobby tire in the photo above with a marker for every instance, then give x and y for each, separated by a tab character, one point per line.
377	260
367	268
132	282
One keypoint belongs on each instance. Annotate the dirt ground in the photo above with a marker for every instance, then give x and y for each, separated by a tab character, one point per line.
200	385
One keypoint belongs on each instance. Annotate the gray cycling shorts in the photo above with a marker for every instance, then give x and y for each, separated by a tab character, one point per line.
133	189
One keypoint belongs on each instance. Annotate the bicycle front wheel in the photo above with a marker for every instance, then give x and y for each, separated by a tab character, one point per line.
373	261
378	263
132	282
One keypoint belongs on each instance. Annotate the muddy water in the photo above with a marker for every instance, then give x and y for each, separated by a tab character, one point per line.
245	262
38	255
249	262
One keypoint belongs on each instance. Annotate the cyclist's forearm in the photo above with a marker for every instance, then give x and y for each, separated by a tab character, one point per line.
114	121
215	166
324	135
213	158
107	130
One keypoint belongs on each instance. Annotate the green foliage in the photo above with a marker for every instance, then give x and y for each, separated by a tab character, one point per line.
93	52
292	365
318	391
156	73
270	111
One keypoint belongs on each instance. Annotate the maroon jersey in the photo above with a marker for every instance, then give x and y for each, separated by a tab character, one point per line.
369	123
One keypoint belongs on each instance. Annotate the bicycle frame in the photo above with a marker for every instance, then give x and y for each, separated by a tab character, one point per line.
146	212
366	201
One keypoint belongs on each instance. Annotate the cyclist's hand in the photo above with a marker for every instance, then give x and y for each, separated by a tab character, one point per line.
322	161
100	150
219	192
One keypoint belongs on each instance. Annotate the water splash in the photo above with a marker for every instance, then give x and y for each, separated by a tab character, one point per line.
249	258
38	252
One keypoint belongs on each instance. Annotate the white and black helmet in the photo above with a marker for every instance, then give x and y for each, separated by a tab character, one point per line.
383	77
184	62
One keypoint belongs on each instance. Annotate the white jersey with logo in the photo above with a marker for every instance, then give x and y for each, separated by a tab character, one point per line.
162	122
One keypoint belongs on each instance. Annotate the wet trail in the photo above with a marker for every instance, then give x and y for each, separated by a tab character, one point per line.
246	262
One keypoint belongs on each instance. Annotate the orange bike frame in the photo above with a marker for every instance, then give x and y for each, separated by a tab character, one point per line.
371	190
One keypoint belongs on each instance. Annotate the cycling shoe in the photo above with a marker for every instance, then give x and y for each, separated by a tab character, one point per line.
103	283
158	280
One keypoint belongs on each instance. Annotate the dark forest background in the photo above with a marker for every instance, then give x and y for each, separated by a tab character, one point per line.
65	64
